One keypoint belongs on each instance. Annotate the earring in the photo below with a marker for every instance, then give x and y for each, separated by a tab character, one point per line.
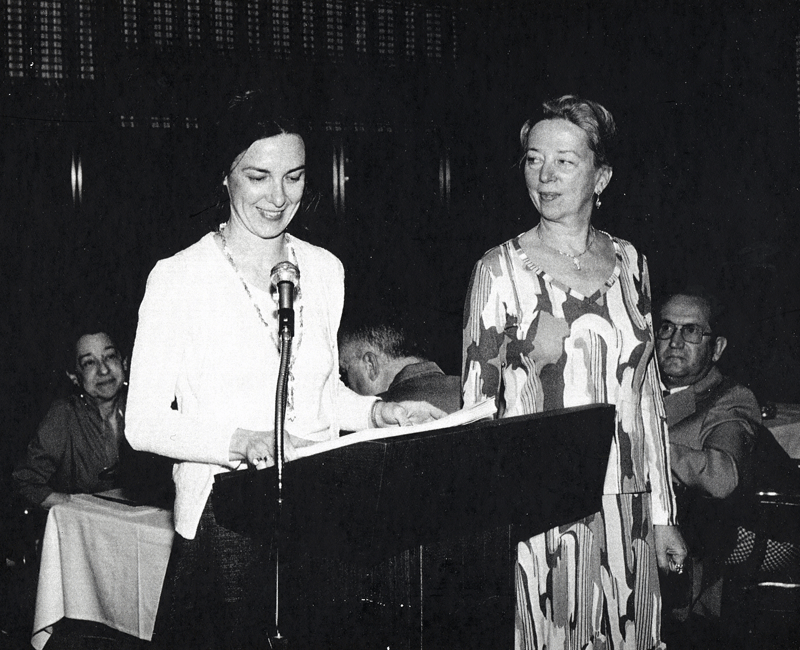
597	201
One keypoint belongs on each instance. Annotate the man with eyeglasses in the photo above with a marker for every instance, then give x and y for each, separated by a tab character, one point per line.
712	419
712	430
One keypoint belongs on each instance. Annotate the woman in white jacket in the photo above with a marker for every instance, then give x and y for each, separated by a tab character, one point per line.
207	343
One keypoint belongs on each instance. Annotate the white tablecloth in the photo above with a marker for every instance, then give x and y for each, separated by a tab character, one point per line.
785	426
102	561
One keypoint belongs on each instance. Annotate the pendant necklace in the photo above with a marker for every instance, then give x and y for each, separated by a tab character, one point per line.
574	258
272	329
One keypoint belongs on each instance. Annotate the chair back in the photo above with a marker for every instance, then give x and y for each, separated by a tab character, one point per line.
774	470
764	607
775	483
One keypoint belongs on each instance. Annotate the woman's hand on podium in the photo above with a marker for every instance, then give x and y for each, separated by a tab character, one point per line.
392	414
258	448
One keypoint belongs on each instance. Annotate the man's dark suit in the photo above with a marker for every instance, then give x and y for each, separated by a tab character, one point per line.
425	381
714	415
712	430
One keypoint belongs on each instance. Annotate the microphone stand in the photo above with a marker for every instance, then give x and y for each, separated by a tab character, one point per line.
286	333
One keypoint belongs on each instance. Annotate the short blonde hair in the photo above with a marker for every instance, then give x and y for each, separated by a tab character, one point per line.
592	118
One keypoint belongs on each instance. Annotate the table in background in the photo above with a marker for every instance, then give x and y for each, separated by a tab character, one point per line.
102	561
785	426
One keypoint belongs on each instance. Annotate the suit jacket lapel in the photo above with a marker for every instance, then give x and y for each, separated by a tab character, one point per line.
679	406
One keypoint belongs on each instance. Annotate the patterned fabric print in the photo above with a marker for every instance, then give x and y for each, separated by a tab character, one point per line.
592	584
535	345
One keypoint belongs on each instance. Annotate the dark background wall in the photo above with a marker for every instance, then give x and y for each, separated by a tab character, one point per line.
705	180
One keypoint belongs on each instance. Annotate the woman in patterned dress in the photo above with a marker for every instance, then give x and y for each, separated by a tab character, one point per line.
558	317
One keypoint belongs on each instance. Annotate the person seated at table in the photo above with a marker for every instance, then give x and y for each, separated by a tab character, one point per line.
77	446
208	341
382	360
714	424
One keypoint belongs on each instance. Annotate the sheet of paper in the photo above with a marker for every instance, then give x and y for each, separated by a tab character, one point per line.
481	411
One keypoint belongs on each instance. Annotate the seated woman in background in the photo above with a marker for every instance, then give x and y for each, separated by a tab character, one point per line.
77	446
558	317
208	340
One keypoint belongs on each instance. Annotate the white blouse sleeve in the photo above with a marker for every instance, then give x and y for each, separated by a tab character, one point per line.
162	336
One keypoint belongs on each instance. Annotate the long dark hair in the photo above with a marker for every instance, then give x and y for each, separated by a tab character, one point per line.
251	116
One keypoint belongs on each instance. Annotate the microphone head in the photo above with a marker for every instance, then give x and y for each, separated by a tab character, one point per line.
285	272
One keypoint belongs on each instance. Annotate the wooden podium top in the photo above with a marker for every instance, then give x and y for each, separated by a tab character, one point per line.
372	500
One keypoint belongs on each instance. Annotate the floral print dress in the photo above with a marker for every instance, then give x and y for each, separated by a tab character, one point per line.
535	345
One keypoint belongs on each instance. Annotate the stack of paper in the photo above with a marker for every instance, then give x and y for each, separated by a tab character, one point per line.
481	411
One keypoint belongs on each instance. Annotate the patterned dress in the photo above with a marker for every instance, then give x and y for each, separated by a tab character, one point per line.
535	345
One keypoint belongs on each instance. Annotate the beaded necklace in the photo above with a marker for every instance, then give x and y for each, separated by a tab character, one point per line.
272	329
574	258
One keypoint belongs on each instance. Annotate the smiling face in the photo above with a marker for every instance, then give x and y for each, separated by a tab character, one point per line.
266	184
560	170
683	363
99	367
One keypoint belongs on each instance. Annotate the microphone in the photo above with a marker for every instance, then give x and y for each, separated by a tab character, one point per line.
285	277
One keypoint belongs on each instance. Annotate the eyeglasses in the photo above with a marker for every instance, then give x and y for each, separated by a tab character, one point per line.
690	332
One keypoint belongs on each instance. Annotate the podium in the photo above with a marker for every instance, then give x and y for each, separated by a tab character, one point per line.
410	541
